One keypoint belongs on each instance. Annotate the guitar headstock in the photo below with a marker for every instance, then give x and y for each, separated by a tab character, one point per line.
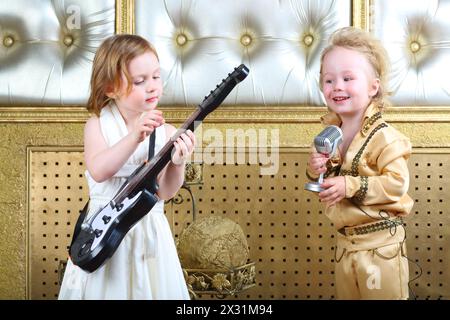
216	96
240	73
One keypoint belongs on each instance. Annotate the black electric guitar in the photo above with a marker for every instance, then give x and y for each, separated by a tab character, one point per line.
96	239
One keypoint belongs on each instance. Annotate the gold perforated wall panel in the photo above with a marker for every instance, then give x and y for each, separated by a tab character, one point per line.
429	223
290	238
58	190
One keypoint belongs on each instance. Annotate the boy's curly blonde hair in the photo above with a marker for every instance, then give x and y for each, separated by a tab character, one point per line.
363	42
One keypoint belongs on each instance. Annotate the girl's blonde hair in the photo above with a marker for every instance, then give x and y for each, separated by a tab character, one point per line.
110	62
363	42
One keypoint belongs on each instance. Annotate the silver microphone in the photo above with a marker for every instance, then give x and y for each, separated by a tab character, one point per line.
326	142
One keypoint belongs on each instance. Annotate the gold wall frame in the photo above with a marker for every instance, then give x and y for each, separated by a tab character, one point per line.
361	15
26	129
124	16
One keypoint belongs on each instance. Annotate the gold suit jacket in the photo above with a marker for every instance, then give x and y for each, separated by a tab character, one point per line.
375	170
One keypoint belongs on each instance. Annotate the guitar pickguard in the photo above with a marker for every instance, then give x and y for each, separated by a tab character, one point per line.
110	214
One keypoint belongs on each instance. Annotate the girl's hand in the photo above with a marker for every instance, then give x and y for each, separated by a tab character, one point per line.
147	123
184	146
317	163
335	190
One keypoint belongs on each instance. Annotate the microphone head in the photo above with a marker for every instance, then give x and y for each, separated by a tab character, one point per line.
328	140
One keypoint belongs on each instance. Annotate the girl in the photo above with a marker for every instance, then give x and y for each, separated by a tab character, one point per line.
366	193
125	90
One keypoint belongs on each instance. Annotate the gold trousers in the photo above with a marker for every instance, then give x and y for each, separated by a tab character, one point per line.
372	266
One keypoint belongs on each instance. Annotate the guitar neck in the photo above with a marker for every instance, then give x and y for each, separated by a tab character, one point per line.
164	155
151	169
146	174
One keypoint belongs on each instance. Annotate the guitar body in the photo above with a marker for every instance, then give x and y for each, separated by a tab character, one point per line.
96	239
92	247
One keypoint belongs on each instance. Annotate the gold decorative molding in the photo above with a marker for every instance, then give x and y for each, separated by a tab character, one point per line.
20	114
361	13
408	114
249	114
303	114
124	16
224	114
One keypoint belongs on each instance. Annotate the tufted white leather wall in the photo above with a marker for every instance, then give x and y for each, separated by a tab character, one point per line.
200	41
416	34
47	47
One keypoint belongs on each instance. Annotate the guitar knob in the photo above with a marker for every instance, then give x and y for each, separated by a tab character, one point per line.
98	232
106	219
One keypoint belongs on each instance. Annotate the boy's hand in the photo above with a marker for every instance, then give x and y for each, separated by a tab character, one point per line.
335	190
317	163
147	123
184	145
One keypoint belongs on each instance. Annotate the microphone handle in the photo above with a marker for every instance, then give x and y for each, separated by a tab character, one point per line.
320	181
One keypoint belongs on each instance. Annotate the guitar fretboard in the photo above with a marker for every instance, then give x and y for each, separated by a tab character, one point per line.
160	160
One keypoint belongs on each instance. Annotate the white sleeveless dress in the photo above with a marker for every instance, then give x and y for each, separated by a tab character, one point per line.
146	264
